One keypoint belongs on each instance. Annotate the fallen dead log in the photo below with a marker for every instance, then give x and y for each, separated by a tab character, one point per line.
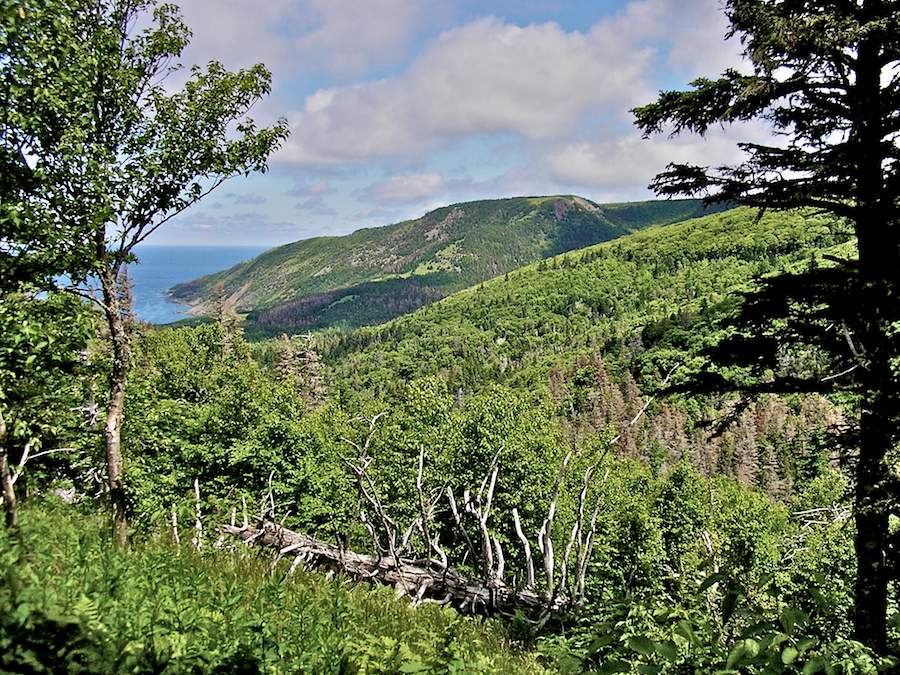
433	579
436	583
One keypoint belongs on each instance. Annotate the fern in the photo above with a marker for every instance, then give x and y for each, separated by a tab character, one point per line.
72	603
87	613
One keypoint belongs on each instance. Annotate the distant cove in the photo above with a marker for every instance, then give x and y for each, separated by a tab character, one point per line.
161	267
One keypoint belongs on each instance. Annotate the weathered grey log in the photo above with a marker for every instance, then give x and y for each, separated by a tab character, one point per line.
436	581
422	584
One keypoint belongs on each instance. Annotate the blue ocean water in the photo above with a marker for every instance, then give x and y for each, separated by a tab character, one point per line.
161	267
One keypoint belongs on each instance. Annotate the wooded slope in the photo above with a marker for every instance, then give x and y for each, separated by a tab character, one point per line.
645	300
377	274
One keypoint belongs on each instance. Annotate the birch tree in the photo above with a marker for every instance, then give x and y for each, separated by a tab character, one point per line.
113	153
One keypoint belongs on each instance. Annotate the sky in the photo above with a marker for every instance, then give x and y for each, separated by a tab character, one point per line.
398	107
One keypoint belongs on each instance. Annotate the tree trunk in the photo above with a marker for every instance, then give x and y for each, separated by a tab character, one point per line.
436	583
9	494
117	307
878	243
878	429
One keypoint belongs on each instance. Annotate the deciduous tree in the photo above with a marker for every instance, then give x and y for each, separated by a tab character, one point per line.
45	85
41	338
123	153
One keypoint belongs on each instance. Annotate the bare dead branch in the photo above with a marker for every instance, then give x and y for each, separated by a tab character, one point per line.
419	583
459	524
490	473
175	539
197	541
481	514
529	559
645	406
424	514
584	557
575	535
501	561
545	543
841	374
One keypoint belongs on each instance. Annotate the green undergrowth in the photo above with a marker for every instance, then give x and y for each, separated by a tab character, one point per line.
71	603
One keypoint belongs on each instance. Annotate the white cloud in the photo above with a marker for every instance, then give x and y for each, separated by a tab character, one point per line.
343	37
632	160
317	206
375	213
251	198
405	189
692	34
230	228
316	189
353	35
538	82
485	77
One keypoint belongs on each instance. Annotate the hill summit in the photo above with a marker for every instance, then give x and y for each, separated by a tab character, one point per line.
376	274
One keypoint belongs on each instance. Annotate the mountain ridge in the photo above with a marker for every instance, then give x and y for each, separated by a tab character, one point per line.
375	274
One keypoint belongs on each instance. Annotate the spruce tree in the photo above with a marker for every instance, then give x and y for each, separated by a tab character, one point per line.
824	76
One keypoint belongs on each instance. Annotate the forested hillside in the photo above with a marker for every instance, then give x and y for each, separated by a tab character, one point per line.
488	442
703	549
598	330
374	275
602	297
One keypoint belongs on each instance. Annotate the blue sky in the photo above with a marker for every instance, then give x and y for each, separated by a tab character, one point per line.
398	107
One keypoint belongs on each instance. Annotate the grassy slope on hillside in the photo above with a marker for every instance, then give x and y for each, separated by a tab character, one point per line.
374	275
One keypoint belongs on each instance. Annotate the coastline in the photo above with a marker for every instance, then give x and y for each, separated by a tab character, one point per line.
160	268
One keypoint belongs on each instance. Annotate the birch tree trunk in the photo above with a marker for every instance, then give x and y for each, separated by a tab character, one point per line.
117	308
9	494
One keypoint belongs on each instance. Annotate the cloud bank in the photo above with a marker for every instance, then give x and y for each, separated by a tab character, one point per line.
398	105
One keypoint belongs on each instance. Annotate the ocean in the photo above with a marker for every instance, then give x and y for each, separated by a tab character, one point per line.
161	267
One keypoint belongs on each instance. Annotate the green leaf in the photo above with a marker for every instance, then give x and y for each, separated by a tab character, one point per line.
615	666
820	600
735	655
776	639
729	603
791	617
668	650
807	643
741	651
649	669
642	645
686	630
600	642
412	667
814	665
789	655
710	580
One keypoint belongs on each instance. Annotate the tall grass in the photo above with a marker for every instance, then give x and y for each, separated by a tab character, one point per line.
70	602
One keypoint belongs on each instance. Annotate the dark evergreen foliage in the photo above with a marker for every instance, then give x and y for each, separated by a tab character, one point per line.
825	79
